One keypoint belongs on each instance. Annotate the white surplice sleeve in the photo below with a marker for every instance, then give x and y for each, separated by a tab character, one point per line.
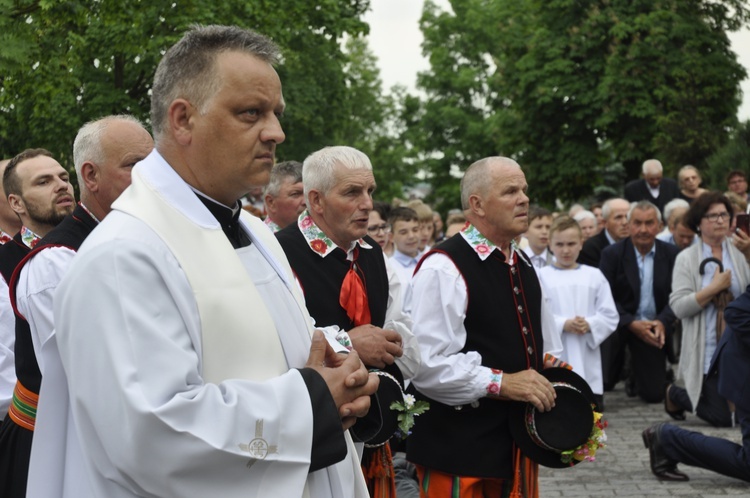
149	425
439	302
605	319
7	342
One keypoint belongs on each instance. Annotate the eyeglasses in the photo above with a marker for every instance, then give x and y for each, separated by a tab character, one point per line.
377	228
714	217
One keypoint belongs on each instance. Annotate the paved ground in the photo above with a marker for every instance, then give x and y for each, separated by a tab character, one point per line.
622	468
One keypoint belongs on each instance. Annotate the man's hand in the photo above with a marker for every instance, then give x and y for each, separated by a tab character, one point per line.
377	347
346	377
649	331
530	386
577	325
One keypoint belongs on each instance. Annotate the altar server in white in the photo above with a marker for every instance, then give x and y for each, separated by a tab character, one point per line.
184	338
581	301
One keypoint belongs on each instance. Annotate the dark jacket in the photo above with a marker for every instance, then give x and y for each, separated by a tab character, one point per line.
732	356
638	190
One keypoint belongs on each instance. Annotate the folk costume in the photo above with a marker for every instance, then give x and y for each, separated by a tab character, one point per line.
476	315
15	399
329	276
581	291
193	389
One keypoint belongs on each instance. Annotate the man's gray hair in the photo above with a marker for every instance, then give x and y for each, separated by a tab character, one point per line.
584	214
317	170
280	172
644	206
675	204
475	179
652	166
87	144
607	206
188	70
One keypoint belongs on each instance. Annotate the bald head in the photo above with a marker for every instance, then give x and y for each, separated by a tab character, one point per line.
475	177
104	153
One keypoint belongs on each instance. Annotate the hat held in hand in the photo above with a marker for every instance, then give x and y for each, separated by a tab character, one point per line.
566	435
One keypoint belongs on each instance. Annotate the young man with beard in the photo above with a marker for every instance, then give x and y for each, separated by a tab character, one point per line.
39	193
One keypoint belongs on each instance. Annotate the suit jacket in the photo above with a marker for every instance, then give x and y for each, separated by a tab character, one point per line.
592	249
732	356
638	190
619	265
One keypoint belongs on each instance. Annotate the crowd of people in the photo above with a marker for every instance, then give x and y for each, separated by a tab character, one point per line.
157	339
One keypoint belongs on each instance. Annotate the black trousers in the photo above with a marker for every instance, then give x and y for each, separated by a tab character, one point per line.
712	407
648	365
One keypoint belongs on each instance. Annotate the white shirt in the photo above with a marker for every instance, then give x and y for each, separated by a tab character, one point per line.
583	291
447	374
7	342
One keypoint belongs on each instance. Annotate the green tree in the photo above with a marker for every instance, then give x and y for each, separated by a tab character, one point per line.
63	63
735	154
568	87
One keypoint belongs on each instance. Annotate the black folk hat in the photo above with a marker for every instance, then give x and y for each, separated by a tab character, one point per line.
543	436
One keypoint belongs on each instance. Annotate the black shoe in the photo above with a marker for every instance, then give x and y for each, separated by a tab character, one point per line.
675	414
661	466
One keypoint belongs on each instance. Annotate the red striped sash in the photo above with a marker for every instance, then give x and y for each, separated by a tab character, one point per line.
23	407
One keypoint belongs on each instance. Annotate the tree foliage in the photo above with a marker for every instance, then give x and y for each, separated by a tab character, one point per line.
63	63
735	154
571	87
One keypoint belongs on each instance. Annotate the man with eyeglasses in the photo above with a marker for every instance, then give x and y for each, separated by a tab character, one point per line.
737	183
639	270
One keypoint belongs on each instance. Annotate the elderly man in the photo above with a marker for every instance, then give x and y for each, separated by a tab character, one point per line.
40	196
477	354
639	271
653	187
676	232
615	214
205	352
346	279
284	196
104	153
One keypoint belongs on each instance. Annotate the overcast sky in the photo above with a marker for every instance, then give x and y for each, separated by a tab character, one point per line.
396	41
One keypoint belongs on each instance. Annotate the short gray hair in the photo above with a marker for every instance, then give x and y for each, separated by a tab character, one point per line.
652	166
674	204
475	181
317	170
607	206
282	171
187	70
584	215
87	145
644	206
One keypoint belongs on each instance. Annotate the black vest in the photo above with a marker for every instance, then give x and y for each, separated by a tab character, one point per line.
70	233
503	324
321	278
10	255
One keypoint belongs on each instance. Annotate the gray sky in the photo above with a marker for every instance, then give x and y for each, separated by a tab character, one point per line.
396	41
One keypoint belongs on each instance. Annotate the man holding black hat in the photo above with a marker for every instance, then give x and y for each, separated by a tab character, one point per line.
479	354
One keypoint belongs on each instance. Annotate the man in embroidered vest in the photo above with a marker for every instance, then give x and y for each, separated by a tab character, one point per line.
284	197
348	286
207	378
9	224
478	354
104	152
40	195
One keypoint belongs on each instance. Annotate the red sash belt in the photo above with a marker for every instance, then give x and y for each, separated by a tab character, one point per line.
23	407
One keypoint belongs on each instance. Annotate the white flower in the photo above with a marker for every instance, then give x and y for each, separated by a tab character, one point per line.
409	401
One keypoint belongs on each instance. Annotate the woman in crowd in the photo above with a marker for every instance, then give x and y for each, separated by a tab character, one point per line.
698	299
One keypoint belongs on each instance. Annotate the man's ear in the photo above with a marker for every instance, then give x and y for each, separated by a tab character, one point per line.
268	200
315	202
90	176
17	204
476	205
179	117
